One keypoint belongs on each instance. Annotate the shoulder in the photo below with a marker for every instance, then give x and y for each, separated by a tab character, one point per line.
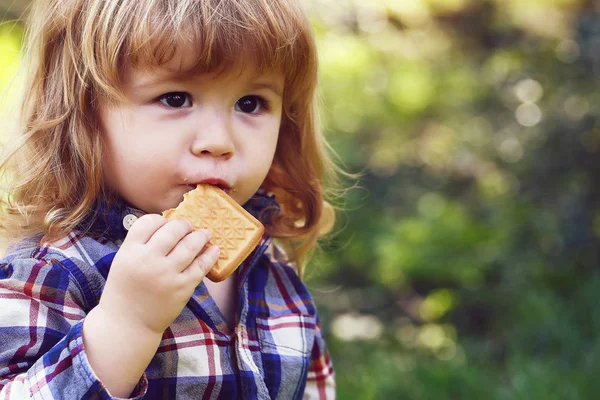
76	263
278	259
284	291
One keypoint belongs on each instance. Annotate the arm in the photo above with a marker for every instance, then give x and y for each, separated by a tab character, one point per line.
41	348
49	350
118	352
151	279
320	378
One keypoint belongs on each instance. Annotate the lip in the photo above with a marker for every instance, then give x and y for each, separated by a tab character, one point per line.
220	183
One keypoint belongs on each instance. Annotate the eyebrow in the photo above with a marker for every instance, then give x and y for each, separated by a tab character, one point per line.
145	83
272	86
148	83
175	77
161	78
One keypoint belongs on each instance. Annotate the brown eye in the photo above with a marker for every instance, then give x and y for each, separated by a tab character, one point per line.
251	105
176	100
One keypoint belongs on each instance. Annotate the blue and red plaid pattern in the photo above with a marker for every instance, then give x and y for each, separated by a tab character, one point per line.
276	350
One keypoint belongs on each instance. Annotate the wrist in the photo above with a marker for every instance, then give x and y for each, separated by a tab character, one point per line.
118	322
117	351
123	317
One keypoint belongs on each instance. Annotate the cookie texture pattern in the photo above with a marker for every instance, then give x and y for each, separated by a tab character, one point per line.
232	228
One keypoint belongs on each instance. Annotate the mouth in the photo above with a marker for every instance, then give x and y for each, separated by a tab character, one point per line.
220	183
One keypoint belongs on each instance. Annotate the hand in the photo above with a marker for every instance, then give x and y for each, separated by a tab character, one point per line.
155	272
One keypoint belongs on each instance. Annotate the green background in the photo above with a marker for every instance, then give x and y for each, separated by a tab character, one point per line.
466	260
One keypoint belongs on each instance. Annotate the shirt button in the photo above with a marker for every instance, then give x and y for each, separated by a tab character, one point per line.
129	220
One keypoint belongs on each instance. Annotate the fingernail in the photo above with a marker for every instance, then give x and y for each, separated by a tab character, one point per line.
216	251
206	232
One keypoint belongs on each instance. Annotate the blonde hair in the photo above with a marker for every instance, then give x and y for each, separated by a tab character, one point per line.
77	51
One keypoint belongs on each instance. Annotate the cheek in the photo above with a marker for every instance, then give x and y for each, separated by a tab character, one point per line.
126	159
266	149
272	137
259	141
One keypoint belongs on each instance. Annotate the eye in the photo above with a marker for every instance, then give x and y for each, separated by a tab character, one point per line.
252	105
176	100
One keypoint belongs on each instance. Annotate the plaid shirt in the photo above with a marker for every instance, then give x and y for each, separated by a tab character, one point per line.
276	350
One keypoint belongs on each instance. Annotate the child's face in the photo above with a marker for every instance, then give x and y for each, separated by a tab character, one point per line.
177	133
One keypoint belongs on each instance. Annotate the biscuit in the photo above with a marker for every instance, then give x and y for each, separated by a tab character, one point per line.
232	228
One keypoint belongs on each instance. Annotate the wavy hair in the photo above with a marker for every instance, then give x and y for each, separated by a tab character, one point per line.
77	50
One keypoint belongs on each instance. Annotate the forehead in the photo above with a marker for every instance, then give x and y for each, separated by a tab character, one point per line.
184	64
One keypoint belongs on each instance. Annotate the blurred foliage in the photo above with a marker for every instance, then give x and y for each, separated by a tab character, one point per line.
473	241
466	264
11	35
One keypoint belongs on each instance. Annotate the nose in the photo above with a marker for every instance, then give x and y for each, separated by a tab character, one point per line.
214	136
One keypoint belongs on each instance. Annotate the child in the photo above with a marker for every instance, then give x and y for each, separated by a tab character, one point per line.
129	105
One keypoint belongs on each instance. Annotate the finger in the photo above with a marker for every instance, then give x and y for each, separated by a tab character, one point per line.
143	229
202	264
168	235
189	248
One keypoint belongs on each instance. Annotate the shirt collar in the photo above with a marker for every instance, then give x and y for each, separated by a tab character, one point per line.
107	219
